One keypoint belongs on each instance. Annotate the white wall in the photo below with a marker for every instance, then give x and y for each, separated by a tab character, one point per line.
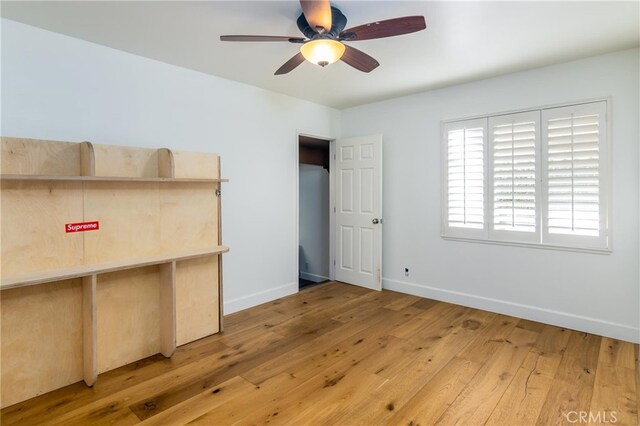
57	87
314	222
590	292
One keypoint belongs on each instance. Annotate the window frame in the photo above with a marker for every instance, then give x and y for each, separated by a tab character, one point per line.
602	244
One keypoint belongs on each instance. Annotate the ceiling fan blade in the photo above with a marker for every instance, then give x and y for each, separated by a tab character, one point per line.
261	38
359	60
388	28
317	13
290	64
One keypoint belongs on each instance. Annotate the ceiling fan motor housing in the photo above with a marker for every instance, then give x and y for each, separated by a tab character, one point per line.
338	22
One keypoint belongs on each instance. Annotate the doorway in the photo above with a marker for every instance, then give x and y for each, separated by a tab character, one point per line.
314	207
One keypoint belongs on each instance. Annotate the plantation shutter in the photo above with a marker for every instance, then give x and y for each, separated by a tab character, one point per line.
514	145
574	138
539	177
465	176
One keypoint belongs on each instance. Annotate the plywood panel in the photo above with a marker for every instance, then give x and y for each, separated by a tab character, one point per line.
33	219
39	157
121	161
129	220
196	299
41	339
195	165
128	316
189	216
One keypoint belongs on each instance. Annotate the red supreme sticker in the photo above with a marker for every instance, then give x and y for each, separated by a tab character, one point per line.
82	226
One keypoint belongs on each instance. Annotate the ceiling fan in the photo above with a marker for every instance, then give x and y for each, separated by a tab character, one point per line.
324	34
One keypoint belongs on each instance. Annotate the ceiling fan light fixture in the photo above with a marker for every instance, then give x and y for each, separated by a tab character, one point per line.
322	52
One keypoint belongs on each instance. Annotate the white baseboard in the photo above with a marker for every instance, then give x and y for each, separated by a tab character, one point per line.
533	313
259	298
313	277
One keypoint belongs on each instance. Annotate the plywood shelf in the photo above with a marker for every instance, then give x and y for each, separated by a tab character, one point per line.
147	280
107	179
101	268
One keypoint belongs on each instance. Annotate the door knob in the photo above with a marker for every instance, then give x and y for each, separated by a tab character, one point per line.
375	221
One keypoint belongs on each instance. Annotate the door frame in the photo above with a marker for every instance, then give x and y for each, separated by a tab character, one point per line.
332	201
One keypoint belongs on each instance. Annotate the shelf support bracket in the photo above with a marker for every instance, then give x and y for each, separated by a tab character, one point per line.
168	308
89	329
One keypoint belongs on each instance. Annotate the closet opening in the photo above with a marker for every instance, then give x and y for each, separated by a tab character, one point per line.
314	211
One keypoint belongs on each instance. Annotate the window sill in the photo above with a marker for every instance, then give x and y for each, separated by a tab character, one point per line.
605	251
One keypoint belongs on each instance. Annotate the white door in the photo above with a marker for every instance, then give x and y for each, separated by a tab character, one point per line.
358	218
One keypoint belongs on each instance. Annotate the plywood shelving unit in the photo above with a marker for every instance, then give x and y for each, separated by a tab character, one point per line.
77	304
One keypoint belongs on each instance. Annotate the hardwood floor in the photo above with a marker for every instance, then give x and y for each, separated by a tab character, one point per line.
337	354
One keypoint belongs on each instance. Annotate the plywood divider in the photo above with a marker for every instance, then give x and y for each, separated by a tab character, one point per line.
87	159
166	165
196	165
168	308
89	329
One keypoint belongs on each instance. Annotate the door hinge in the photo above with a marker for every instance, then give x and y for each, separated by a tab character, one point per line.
218	193
334	209
334	262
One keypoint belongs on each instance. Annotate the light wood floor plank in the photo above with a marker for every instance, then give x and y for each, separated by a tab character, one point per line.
490	339
525	396
145	393
259	398
531	325
171	395
572	385
477	401
408	372
350	350
614	390
616	353
402	301
192	408
312	348
426	406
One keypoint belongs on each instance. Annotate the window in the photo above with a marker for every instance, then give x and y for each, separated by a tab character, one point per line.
513	145
574	145
535	177
465	176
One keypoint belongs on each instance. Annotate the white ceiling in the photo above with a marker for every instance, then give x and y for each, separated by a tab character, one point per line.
464	41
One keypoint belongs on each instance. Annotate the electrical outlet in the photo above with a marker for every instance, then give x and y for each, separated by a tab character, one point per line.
406	272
